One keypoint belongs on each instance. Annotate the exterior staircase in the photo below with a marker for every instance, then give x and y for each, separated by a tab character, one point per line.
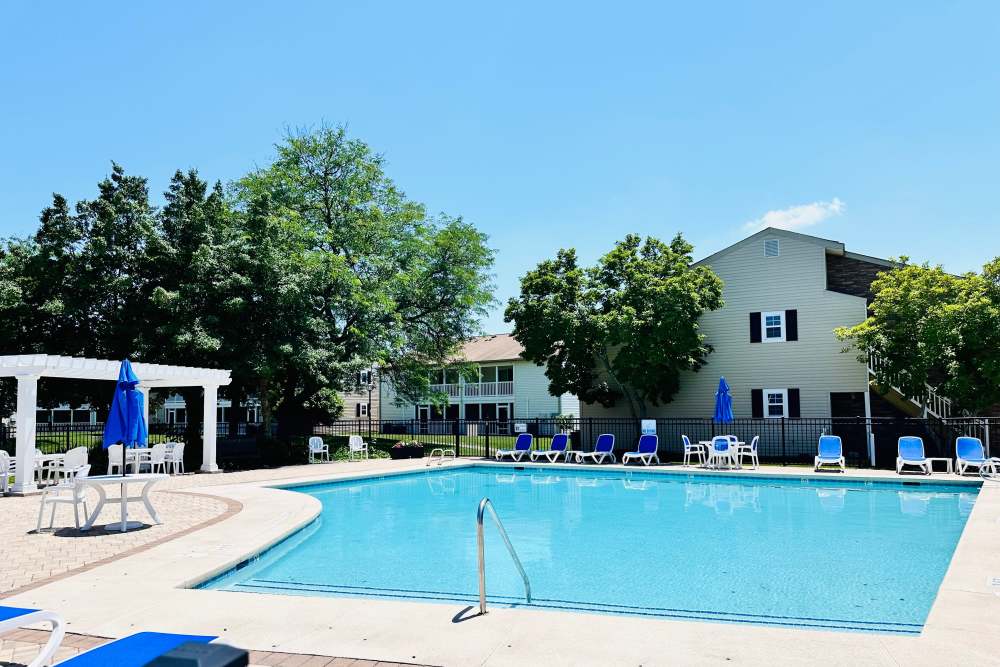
931	404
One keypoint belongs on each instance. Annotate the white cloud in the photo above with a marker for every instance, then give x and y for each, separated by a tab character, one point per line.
795	218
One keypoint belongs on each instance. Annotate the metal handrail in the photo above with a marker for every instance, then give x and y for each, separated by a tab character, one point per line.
485	504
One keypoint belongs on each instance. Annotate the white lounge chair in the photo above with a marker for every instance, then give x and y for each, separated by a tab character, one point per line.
604	448
319	450
969	453
65	492
356	445
12	618
748	450
911	453
558	447
693	449
521	447
831	453
645	453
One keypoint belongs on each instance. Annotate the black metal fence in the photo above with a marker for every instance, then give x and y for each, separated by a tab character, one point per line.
785	441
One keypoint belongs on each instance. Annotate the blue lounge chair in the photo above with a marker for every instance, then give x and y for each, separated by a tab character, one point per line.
521	447
12	618
969	452
604	448
646	452
133	651
911	453
558	447
831	452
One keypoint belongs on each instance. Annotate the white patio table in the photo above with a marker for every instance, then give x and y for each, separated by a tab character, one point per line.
707	444
99	483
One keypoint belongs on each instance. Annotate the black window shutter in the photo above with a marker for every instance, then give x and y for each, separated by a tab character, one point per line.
791	325
754	327
794	406
357	409
757	403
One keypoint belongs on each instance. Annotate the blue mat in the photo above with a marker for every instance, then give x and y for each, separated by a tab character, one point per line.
133	651
7	613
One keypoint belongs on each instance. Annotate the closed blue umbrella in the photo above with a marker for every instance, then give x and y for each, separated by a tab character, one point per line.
126	422
723	403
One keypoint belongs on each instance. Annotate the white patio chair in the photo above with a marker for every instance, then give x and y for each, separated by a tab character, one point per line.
8	467
356	445
692	449
748	450
175	458
65	469
115	460
41	467
721	451
65	492
157	458
318	449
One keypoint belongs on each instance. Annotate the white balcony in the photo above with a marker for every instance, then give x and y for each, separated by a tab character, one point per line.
479	389
450	390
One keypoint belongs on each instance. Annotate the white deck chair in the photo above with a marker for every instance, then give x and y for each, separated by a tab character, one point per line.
522	445
12	618
157	458
748	450
969	453
115	460
357	445
911	453
646	452
318	449
604	448
66	469
831	453
65	492
175	458
692	449
7	468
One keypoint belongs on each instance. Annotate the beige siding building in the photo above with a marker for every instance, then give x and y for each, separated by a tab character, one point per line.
506	388
774	341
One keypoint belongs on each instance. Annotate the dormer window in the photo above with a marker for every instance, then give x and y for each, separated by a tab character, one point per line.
772	248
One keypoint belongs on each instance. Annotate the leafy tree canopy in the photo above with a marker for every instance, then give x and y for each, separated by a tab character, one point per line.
929	327
624	329
303	273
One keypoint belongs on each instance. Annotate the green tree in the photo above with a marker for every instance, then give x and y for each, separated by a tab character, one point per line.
348	273
929	327
624	329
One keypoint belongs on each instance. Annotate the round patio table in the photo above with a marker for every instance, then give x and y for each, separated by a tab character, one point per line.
100	482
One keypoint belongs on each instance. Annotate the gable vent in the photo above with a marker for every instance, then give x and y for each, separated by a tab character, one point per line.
771	248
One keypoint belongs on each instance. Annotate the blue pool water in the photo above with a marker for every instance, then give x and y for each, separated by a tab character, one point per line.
804	553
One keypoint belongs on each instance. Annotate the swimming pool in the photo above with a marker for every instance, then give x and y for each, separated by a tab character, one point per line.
827	553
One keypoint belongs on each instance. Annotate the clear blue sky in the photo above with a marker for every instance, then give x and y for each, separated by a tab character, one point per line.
877	124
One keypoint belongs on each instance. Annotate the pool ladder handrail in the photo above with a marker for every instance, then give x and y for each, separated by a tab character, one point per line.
485	504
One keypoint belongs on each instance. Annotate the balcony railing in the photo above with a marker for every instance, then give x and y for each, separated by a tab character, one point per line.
476	389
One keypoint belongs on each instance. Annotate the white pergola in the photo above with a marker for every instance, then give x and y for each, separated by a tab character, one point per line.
29	368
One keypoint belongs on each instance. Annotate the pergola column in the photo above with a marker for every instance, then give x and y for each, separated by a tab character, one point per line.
27	403
209	427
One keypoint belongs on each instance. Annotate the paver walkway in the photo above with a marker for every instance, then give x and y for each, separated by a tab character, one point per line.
31	559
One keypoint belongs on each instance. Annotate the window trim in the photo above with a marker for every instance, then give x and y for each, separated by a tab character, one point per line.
763	326
784	403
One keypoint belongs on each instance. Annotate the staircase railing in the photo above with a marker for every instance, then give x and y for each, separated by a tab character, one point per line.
931	402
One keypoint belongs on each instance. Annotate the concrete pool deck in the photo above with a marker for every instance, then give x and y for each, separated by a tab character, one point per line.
146	591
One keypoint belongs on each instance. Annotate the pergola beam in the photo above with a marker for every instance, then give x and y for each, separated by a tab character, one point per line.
29	368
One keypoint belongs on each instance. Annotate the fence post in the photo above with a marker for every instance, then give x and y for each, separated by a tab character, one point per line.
784	456
458	437
486	427
68	427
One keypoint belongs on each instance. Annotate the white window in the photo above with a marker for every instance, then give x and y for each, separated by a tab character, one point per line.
364	378
775	403
772	248
362	409
772	326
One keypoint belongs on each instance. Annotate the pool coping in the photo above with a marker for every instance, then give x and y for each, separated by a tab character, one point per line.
428	633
